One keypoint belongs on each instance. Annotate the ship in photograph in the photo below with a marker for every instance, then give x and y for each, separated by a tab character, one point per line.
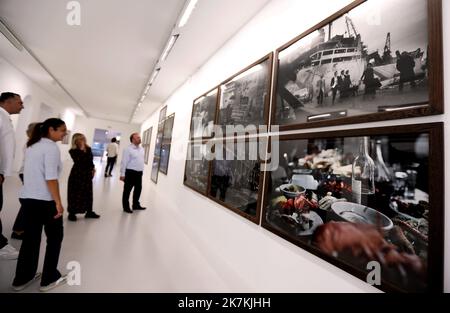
372	59
357	199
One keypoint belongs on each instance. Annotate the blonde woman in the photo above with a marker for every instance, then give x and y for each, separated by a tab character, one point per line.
79	194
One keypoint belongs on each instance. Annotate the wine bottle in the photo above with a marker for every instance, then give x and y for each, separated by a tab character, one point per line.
383	182
363	175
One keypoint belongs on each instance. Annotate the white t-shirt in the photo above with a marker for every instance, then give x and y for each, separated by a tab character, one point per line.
7	143
42	163
112	150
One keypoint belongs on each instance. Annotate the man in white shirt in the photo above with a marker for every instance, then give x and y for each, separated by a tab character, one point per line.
112	152
10	103
131	170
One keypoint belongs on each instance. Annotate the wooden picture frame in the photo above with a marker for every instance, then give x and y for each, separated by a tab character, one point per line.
157	152
146	142
297	112
418	146
166	144
266	93
162	114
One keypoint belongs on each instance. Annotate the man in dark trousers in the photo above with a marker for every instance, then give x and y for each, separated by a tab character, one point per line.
334	85
405	65
113	151
132	168
10	103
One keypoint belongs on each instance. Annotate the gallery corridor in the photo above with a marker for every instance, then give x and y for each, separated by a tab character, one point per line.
140	252
284	146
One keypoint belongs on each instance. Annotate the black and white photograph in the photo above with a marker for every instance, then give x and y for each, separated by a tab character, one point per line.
168	129
353	199
236	180
162	114
146	142
244	99
164	162
197	168
203	116
158	143
155	169
372	59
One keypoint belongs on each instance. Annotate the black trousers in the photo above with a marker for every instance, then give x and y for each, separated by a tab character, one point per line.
133	179
110	165
3	239
19	223
39	214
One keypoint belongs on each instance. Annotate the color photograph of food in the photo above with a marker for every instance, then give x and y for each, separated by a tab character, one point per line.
356	200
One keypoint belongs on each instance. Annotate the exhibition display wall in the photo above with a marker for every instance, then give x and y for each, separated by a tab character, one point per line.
312	87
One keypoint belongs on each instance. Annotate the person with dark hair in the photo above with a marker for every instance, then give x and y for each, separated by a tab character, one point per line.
341	85
18	228
80	190
112	152
10	103
320	90
132	168
405	65
41	201
334	85
370	83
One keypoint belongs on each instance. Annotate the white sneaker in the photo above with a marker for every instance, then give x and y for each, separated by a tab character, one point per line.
22	287
61	281
8	252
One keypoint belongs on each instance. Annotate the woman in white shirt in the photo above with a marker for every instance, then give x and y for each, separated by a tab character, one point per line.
41	202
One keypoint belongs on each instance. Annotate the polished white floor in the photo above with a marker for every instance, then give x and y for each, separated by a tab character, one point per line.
119	252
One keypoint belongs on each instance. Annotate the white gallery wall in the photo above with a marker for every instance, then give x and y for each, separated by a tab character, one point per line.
87	127
38	105
236	254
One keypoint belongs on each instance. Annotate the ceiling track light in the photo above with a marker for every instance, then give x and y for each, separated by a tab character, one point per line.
169	47
10	36
187	12
153	78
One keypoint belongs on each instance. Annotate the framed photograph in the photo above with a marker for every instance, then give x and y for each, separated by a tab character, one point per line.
245	98
146	142
166	144
168	129
155	169
157	152
236	179
370	201
373	60
196	172
162	114
164	163
204	115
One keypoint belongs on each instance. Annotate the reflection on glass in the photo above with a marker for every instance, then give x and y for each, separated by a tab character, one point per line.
311	200
235	181
197	168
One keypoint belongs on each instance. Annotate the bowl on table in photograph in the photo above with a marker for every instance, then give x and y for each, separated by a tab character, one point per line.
356	213
292	191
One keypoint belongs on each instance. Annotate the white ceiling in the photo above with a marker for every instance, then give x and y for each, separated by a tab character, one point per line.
106	62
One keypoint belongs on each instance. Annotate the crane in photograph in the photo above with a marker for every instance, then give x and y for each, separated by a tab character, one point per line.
351	27
387	54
